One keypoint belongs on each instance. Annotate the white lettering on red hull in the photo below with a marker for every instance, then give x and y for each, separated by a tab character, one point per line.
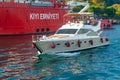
43	16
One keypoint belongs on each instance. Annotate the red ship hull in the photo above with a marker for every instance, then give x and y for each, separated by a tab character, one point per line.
106	24
24	18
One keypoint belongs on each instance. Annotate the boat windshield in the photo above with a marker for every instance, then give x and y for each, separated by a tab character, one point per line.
66	31
82	31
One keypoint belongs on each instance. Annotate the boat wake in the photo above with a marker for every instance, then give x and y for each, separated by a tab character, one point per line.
66	54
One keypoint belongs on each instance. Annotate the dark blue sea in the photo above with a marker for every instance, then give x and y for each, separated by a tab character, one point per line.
19	61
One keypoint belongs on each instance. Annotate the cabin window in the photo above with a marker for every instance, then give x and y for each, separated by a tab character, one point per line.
42	3
92	33
83	31
4	0
22	1
66	31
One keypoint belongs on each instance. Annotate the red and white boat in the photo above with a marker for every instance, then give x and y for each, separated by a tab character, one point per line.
30	16
78	34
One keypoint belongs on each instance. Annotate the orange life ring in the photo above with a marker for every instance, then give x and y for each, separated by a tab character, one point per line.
67	44
79	43
91	42
52	45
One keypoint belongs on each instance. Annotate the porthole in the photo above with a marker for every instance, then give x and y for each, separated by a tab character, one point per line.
47	29
42	29
37	30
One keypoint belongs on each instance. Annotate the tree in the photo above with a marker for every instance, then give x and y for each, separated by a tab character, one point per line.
110	11
77	8
116	6
98	11
118	14
95	1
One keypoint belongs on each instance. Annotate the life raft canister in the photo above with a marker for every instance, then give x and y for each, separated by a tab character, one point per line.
79	43
52	45
67	44
91	42
101	39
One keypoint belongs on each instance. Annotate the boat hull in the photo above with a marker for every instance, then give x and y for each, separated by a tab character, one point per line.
24	18
70	45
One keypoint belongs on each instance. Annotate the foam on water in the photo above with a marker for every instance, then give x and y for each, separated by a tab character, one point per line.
66	54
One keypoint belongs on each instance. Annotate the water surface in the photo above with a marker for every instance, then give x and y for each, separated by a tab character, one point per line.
18	61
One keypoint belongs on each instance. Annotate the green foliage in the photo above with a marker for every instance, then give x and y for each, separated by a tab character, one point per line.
102	8
77	8
100	11
116	6
96	9
110	11
118	12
